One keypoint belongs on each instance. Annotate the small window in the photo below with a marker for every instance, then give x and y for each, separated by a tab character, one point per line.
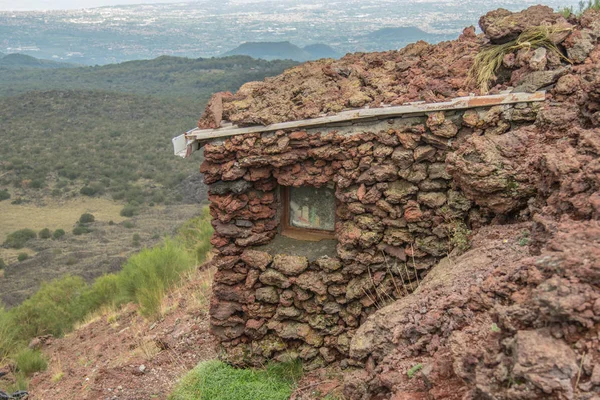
309	212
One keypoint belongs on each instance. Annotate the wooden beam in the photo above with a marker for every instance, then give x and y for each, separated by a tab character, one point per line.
460	103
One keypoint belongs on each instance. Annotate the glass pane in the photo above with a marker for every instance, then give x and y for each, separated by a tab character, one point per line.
312	208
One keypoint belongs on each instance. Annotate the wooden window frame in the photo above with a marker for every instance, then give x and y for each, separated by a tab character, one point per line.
294	232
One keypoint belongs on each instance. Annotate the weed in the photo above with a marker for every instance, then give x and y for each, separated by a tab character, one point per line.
18	239
495	328
215	380
413	370
524	238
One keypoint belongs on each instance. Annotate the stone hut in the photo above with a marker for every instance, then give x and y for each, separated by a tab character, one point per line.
320	222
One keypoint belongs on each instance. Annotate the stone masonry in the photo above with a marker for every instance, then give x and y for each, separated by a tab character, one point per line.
398	213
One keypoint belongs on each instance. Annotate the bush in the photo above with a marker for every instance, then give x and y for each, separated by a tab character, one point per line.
130	210
86	218
2	264
22	257
53	309
81	230
128	224
29	361
58	234
104	292
147	275
4	195
215	380
195	235
8	335
45	234
18	239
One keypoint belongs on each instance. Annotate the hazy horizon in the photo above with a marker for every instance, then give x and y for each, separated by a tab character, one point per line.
48	5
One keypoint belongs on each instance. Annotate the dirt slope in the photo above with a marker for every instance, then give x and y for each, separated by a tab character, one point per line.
120	355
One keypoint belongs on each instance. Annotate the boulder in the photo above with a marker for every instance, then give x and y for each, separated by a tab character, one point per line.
502	26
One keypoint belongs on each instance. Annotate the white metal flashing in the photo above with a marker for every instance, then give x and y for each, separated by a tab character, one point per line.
184	145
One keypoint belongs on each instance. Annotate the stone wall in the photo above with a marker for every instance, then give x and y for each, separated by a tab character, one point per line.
399	212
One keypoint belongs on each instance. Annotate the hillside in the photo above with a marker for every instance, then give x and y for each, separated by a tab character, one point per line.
98	140
164	76
283	51
401	36
24	61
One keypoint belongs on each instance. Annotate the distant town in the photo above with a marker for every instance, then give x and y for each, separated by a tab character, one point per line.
204	29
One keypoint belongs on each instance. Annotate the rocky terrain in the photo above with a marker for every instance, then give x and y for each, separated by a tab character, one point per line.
517	316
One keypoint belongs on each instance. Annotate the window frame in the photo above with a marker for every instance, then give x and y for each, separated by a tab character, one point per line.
294	232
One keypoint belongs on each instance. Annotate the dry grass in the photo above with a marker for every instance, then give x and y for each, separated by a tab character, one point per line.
55	214
489	59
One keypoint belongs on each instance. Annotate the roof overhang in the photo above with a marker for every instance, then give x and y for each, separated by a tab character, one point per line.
184	145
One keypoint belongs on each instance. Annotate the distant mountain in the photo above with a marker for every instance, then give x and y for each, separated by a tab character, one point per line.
283	51
403	35
17	60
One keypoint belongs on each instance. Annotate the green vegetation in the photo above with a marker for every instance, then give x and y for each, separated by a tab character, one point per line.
22	257
4	195
110	127
495	328
81	229
29	361
195	235
58	234
147	275
45	234
215	380
130	210
2	264
86	218
489	60
583	6
18	239
414	369
60	304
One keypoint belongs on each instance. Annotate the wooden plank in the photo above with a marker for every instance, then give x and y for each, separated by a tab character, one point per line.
460	103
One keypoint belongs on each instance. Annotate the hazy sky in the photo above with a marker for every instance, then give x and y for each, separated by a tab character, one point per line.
22	5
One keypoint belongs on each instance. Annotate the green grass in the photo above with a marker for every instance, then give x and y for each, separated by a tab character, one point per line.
195	235
583	6
215	380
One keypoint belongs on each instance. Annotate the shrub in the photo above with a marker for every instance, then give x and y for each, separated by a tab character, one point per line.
128	224
81	230
18	239
215	380
147	275
45	234
2	264
130	210
104	291
58	234
8	334
53	309
195	235
91	190
136	239
29	361
22	257
86	218
4	195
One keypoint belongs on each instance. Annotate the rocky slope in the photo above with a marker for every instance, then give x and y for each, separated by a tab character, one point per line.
518	316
